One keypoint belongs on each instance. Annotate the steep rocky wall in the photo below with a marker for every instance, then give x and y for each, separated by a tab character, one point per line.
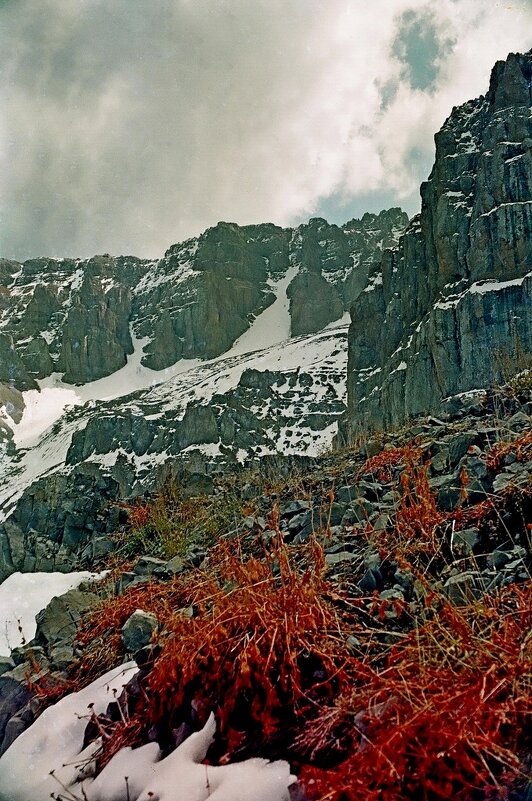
334	265
80	317
451	310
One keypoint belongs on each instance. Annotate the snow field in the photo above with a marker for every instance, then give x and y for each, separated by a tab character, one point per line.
48	758
23	595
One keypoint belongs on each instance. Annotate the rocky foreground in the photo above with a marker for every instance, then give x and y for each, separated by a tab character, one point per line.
365	617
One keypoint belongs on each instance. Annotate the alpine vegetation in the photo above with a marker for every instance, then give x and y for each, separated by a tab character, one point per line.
273	493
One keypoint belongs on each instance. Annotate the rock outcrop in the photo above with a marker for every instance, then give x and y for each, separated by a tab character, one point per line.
450	310
208	419
83	318
334	265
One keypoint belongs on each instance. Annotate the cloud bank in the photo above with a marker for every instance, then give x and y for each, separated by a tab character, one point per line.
128	125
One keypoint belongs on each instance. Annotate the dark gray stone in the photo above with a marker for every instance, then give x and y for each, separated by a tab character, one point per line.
138	630
6	664
149	566
466	540
451	314
58	622
339	558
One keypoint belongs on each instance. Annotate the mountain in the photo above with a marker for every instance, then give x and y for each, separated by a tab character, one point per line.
451	309
231	347
83	318
364	613
222	351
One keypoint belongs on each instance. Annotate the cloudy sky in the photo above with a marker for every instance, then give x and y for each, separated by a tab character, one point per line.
127	125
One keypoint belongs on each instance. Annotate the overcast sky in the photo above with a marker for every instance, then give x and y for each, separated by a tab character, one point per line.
127	125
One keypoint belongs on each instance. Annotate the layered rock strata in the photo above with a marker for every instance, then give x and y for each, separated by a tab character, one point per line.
450	310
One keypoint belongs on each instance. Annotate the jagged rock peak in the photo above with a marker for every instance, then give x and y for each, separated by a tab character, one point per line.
83	318
451	310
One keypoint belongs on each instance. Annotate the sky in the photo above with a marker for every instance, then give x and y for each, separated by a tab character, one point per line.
127	125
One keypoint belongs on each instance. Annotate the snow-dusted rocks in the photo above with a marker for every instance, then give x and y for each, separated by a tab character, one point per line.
48	758
81	319
284	398
453	311
22	596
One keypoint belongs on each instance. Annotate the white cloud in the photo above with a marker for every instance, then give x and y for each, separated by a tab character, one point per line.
128	126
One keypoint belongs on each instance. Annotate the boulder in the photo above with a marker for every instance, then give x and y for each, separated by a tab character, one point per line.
138	630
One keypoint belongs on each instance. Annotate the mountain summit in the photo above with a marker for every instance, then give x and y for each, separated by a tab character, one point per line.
452	309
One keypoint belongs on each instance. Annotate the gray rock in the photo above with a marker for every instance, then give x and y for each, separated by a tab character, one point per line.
149	566
6	664
369	581
58	622
519	421
499	559
438	325
127	579
463	588
294	508
14	695
466	540
174	566
394	594
61	656
30	654
138	630
97	549
340	557
353	643
458	446
448	491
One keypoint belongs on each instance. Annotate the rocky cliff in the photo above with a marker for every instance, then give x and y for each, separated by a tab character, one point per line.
130	334
450	310
82	318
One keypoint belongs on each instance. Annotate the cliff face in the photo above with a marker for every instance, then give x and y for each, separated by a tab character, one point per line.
451	309
82	318
87	320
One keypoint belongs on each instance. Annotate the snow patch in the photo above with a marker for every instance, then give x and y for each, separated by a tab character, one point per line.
42	409
47	758
23	595
273	325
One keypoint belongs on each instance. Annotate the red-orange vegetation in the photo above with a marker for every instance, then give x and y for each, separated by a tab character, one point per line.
521	447
445	718
264	651
138	513
441	715
384	463
416	530
263	642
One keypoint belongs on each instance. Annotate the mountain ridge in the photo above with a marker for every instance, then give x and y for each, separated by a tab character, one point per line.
456	292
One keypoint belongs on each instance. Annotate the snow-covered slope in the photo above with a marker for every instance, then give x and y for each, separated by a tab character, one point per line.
76	449
301	373
118	373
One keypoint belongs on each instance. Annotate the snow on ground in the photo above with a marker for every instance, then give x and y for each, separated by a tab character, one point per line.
345	319
22	596
132	377
220	375
29	465
54	742
273	325
481	288
41	410
47	758
45	407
